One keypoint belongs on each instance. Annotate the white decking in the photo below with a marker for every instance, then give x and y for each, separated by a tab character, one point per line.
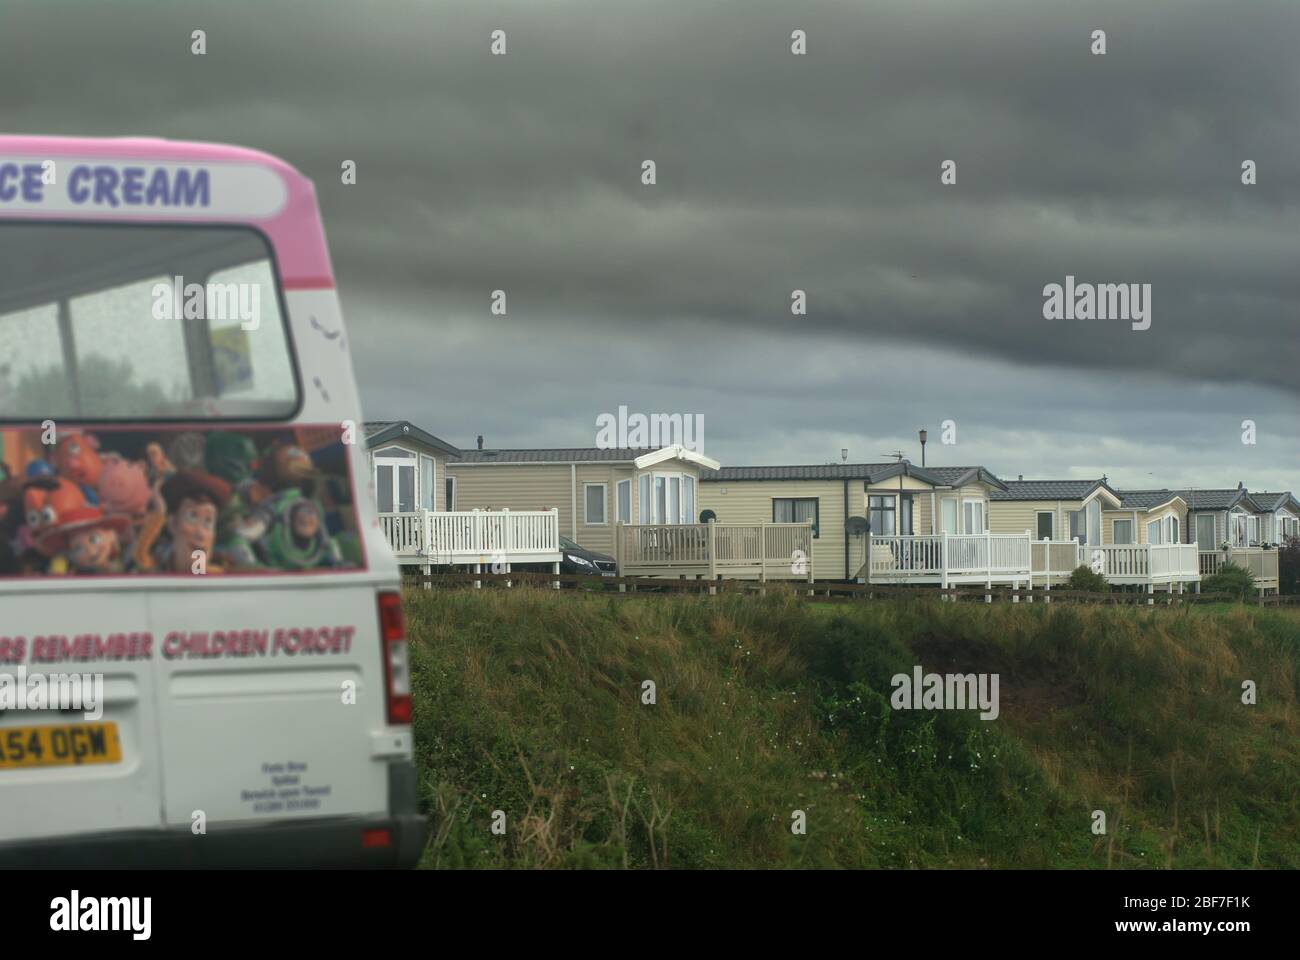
1144	563
478	537
1019	560
1263	564
949	558
754	551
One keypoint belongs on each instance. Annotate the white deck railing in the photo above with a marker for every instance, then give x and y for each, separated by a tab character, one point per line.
763	550
943	557
1054	560
1143	562
474	536
1263	564
1012	558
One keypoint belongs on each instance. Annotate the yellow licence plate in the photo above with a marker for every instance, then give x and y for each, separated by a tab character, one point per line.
63	745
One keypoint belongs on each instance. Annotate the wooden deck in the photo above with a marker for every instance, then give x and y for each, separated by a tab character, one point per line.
755	551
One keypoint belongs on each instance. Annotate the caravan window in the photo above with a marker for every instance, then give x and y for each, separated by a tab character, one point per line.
594	498
881	514
395	480
948	510
666	498
624	493
905	515
1086	523
1094	522
1205	531
428	477
796	510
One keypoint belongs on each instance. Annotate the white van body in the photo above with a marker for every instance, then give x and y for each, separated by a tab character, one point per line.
256	710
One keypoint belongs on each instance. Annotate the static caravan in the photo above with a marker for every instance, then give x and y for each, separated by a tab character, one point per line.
893	500
1282	520
1229	526
417	498
1219	517
1055	509
1147	516
1132	538
592	490
408	467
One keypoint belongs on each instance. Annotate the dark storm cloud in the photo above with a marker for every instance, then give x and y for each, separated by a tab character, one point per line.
775	172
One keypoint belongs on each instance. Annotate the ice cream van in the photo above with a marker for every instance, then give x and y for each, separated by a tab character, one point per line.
202	652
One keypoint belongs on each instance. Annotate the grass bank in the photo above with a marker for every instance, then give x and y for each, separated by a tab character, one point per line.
530	702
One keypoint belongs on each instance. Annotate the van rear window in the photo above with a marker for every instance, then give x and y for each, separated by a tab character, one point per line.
113	322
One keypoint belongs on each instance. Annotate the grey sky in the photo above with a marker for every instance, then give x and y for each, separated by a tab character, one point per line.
775	172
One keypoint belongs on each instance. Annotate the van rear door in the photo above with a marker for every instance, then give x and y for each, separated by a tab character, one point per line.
271	701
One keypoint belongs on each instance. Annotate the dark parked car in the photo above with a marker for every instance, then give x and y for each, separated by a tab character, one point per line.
578	559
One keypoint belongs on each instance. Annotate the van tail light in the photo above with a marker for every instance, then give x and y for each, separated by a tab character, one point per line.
397	672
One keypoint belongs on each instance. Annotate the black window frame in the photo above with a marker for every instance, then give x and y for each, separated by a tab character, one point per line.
892	500
817	511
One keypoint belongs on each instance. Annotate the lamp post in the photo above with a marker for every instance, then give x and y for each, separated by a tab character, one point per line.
923	436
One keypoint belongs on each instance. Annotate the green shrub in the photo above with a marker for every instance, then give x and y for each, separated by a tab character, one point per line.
1231	579
1084	578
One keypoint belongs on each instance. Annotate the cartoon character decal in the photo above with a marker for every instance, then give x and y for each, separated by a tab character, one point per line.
121	502
76	457
87	539
159	465
191	501
48	500
124	487
293	536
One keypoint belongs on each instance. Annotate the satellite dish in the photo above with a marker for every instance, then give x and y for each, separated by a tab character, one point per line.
707	515
857	526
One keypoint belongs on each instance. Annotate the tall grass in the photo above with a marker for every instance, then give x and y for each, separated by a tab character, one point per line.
530	702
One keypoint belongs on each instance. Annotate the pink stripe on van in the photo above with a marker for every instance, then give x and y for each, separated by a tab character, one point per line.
295	230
